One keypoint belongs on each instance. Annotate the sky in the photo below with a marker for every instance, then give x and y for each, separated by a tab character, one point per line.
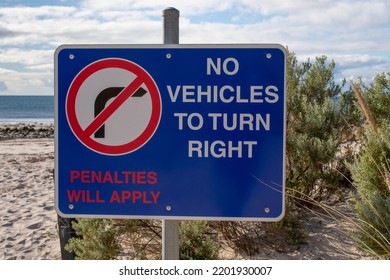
354	33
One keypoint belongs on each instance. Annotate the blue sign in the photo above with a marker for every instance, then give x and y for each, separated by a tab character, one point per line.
170	131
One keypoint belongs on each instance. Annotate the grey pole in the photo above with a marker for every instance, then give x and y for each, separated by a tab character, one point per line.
170	228
65	233
171	26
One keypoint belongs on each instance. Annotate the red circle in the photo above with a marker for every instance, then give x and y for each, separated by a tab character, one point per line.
71	106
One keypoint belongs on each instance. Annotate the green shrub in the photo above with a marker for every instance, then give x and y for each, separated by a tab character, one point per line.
195	241
319	115
377	97
98	240
106	239
371	173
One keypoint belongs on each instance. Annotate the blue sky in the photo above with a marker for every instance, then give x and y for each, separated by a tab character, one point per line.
352	32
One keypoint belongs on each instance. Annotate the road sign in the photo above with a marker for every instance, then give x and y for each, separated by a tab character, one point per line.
132	121
170	132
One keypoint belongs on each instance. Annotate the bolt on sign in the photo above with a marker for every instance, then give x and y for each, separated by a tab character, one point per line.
170	131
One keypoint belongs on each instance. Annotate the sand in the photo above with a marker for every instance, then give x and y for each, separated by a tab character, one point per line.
28	221
27	216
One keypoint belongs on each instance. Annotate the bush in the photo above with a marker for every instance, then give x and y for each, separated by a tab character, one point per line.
377	97
195	241
98	240
319	114
371	173
250	238
106	239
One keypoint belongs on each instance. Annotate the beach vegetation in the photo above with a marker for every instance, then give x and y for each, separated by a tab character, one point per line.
320	117
371	169
106	239
98	239
196	241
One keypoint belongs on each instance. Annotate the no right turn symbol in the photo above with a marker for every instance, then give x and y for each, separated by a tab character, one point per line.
113	106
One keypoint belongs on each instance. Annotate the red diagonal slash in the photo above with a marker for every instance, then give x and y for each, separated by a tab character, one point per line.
113	106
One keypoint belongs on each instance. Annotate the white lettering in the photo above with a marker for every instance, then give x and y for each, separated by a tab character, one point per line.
222	94
235	66
188	94
220	149
242	121
256	92
181	116
272	92
190	122
211	64
216	67
172	95
206	93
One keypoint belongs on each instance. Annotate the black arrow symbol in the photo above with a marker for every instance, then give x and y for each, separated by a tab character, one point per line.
102	99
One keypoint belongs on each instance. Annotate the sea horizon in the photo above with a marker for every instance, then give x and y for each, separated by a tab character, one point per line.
27	109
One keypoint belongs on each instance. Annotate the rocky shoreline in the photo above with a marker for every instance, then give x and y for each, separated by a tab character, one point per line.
26	130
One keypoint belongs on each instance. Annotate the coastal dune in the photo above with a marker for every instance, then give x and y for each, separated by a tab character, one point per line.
28	219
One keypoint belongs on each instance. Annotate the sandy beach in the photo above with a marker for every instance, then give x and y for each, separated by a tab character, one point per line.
28	221
27	216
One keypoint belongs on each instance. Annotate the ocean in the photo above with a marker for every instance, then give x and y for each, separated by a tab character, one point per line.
26	109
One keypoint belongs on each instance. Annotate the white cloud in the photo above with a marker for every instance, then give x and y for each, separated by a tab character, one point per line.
26	57
3	86
357	60
187	8
353	32
20	82
48	68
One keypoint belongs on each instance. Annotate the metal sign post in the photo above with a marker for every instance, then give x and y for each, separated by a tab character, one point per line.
170	228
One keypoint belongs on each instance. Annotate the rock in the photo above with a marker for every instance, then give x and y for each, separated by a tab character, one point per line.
31	130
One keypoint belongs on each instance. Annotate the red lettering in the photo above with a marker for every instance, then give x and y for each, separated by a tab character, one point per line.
155	196
113	177
84	196
125	195
96	176
115	197
92	199
152	177
116	179
141	177
145	200
89	199
98	200
74	174
85	178
136	195
133	196
127	174
73	195
107	177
